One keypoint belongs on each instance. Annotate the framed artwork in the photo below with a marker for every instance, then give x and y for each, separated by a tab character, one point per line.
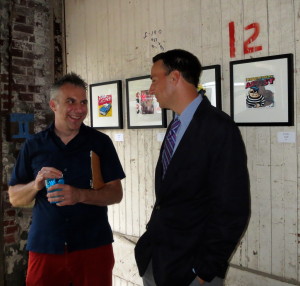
143	110
262	91
106	105
210	84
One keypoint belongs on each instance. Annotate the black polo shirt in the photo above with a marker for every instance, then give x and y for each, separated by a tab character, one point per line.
80	226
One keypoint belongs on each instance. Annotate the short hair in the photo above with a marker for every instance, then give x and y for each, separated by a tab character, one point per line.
254	88
183	61
71	78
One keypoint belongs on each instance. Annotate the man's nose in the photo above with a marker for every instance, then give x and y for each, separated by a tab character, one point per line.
151	89
80	107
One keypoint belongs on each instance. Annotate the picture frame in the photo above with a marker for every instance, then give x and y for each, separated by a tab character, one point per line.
143	110
106	105
262	91
210	83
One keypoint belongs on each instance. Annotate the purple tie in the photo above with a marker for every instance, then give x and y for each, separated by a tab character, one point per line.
169	144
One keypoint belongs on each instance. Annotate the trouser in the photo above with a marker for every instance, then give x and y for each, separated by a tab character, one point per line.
77	268
148	279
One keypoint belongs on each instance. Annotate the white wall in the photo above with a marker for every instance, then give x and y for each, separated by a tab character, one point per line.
111	39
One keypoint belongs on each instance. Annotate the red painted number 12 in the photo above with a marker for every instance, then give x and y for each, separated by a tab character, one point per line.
251	39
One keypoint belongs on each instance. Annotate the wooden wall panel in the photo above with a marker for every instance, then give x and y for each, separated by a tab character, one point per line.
114	39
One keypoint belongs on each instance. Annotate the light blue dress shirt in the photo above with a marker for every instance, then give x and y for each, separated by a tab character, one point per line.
185	118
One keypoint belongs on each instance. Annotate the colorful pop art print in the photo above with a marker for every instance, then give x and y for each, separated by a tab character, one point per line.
106	105
262	91
143	110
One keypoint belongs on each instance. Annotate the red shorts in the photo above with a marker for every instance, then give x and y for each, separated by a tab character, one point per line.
81	268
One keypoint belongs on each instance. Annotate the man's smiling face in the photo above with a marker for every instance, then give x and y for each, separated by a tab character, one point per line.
70	107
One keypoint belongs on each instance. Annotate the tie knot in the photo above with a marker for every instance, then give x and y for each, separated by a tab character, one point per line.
175	125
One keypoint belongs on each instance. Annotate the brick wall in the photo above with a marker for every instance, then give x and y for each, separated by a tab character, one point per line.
30	36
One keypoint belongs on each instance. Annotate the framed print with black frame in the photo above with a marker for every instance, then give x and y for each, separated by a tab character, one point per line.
210	84
106	105
262	91
143	110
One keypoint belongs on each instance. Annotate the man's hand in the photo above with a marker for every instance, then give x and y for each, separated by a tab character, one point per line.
21	195
110	193
67	195
200	281
43	174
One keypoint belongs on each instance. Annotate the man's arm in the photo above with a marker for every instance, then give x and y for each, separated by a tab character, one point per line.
24	194
110	193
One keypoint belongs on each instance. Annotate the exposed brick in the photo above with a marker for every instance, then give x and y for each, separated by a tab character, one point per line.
7	105
40	56
38	24
35	89
8	222
31	4
26	96
10	212
30	71
23	2
4	78
29	55
21	18
16	53
21	10
9	239
5	66
39	72
21	36
23	62
7	205
21	45
24	80
18	70
4	96
39	106
23	28
30	21
19	87
11	229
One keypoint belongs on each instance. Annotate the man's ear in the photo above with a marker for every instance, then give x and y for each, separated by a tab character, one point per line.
175	76
52	105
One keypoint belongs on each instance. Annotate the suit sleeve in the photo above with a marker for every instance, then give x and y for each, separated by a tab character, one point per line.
229	186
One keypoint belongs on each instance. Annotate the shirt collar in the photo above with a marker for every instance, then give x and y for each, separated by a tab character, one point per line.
186	116
80	136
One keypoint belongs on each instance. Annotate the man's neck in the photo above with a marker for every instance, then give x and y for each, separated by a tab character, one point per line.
184	101
65	136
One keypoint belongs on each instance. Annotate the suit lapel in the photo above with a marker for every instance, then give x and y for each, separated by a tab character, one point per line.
161	184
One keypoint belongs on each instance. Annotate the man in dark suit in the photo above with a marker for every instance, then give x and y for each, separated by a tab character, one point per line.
201	183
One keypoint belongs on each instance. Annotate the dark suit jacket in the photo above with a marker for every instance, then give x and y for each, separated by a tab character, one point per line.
202	204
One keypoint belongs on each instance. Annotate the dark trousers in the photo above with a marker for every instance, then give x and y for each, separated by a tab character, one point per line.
148	279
